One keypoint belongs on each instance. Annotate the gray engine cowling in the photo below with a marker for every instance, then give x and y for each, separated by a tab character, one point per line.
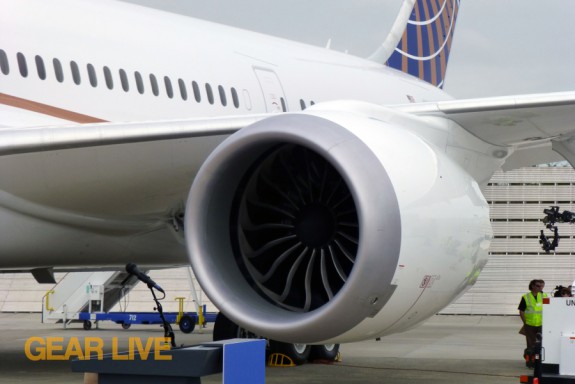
292	223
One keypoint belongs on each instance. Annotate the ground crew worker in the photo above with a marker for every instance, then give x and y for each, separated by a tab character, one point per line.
531	312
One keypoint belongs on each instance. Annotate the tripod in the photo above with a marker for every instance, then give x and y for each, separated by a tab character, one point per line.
168	331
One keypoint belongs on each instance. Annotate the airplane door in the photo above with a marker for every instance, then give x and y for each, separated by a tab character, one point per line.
272	90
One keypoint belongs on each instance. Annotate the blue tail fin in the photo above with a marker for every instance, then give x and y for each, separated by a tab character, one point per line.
423	50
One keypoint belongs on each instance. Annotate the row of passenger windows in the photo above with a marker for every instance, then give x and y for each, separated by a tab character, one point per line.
108	80
140	81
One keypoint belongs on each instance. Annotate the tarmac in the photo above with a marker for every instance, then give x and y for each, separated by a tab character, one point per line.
445	349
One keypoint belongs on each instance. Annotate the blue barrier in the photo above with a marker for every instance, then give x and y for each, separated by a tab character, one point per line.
242	361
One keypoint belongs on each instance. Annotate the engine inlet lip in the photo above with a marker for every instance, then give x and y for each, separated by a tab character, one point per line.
210	201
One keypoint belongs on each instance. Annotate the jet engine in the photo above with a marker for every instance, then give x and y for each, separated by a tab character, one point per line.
323	225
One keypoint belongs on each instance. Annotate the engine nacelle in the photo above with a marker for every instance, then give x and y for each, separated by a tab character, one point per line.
324	226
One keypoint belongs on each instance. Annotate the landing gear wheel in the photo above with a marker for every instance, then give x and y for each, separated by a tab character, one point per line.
87	325
327	352
225	329
126	326
187	324
299	353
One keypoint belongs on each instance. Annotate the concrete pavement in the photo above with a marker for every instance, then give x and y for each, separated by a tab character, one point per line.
445	349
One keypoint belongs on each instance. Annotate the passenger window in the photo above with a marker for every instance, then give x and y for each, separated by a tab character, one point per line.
196	89
139	82
235	98
108	78
4	67
154	84
209	93
284	107
58	70
40	67
75	72
222	93
169	88
22	66
302	104
124	80
183	90
92	75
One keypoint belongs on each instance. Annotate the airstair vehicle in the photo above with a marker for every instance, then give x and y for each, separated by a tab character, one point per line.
85	292
89	296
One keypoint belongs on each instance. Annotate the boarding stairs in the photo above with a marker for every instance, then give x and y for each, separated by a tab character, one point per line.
85	291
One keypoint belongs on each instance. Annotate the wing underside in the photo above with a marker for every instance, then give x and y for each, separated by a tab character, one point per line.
536	127
114	191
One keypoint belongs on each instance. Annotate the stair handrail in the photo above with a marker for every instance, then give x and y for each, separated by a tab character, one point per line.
46	300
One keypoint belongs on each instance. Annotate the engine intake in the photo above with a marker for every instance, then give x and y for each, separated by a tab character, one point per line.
293	228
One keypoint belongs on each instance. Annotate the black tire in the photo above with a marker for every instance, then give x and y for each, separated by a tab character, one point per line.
187	324
327	352
126	325
299	353
87	325
225	329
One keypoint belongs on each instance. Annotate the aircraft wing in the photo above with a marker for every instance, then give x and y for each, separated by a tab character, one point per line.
523	122
532	124
40	139
117	200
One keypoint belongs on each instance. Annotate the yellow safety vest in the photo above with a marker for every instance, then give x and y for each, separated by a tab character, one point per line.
534	309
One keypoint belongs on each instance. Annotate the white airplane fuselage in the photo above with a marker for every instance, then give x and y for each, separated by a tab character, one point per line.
261	69
90	61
